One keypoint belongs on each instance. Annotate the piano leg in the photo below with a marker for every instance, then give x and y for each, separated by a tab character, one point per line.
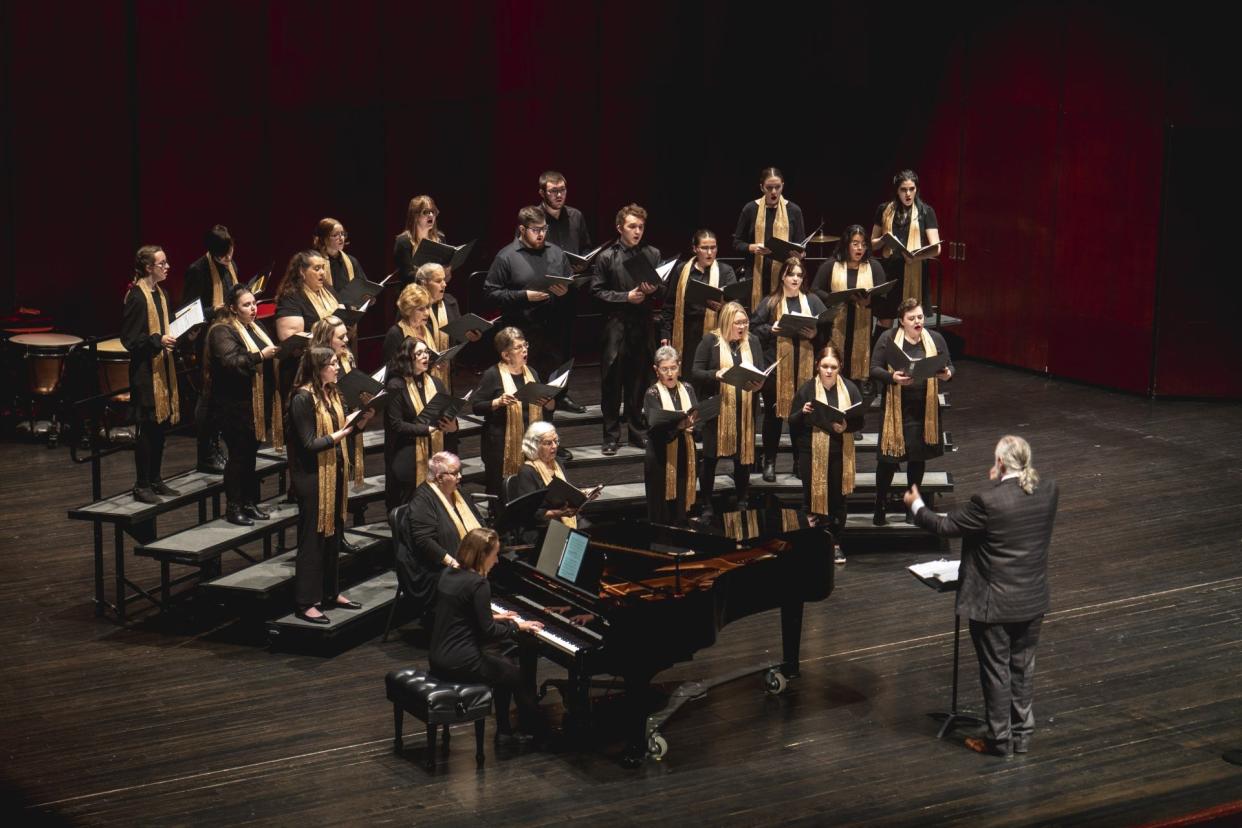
791	638
637	701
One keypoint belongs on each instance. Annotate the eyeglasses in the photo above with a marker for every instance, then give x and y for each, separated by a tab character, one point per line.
556	190
338	236
428	213
456	474
538	231
550	441
163	265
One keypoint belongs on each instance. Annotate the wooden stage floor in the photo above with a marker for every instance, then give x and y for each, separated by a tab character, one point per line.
1138	691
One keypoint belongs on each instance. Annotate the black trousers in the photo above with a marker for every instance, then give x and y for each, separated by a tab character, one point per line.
148	449
626	379
707	479
1006	655
836	500
509	681
241	484
884	471
315	568
772	424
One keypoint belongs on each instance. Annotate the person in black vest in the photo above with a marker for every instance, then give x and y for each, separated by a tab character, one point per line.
467	635
629	341
1006	533
154	398
209	279
238	380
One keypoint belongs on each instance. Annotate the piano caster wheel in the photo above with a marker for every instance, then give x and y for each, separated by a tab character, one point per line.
774	682
657	747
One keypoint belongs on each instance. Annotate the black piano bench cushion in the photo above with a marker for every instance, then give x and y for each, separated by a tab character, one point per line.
436	701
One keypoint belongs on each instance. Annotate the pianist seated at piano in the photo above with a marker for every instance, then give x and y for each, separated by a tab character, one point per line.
436	521
669	466
470	639
539	446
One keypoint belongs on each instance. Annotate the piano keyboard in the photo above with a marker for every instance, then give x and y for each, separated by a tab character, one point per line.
546	634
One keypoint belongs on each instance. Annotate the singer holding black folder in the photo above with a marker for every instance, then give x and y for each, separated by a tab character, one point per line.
506	418
669	466
421	222
910	430
795	348
850	267
408	441
331	332
769	215
826	461
209	279
330	240
302	299
912	221
318	469
733	433
684	321
413	311
539	445
154	398
237	382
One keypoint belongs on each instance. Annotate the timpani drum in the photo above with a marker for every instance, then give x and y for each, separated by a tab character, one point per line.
113	362
45	359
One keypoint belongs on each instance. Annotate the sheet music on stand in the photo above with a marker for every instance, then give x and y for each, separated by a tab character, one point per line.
941	575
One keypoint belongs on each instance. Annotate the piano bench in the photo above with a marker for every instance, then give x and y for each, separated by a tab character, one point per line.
437	703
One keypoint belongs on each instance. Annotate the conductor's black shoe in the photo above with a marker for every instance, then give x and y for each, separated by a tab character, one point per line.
564	455
609	448
143	494
235	516
567	404
162	488
769	471
254	510
313	619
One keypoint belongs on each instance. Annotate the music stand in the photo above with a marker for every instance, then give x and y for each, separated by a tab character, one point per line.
943	578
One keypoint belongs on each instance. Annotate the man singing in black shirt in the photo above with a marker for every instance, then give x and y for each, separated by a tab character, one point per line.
567	229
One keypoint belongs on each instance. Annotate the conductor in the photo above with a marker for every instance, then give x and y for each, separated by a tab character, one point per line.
1003	586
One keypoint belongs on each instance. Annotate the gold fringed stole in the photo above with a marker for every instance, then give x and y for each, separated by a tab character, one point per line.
322	300
892	438
673	451
790	374
679	307
217	286
437	318
727	425
780	230
857	351
821	446
459	513
329	414
515	424
163	369
349	267
546	473
435	439
913	271
256	382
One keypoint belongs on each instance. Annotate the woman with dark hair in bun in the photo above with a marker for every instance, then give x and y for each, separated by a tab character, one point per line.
912	221
851	266
771	215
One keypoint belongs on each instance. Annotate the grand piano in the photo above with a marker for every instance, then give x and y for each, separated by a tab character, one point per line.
656	595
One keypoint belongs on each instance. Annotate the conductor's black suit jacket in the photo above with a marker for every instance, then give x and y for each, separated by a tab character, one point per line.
1005	538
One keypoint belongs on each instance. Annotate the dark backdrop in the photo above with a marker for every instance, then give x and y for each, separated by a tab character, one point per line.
1079	157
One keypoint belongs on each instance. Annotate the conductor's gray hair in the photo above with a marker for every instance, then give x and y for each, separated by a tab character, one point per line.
1014	454
439	463
534	433
665	353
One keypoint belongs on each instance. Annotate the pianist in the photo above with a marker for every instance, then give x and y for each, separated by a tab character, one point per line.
467	640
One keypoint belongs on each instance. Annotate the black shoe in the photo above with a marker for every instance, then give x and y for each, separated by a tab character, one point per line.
347	604
769	471
909	518
609	448
564	455
312	619
235	516
162	488
254	510
512	738
143	494
638	441
838	557
879	518
210	467
351	548
567	404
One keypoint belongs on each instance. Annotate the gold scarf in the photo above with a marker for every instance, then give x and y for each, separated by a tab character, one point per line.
679	307
858	350
323	300
515	424
463	519
790	374
217	286
349	267
913	273
437	318
256	383
410	331
820	448
163	371
674	449
329	415
892	438
727	424
546	474
435	439
780	230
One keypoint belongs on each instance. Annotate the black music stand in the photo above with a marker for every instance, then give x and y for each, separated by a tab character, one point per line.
954	716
